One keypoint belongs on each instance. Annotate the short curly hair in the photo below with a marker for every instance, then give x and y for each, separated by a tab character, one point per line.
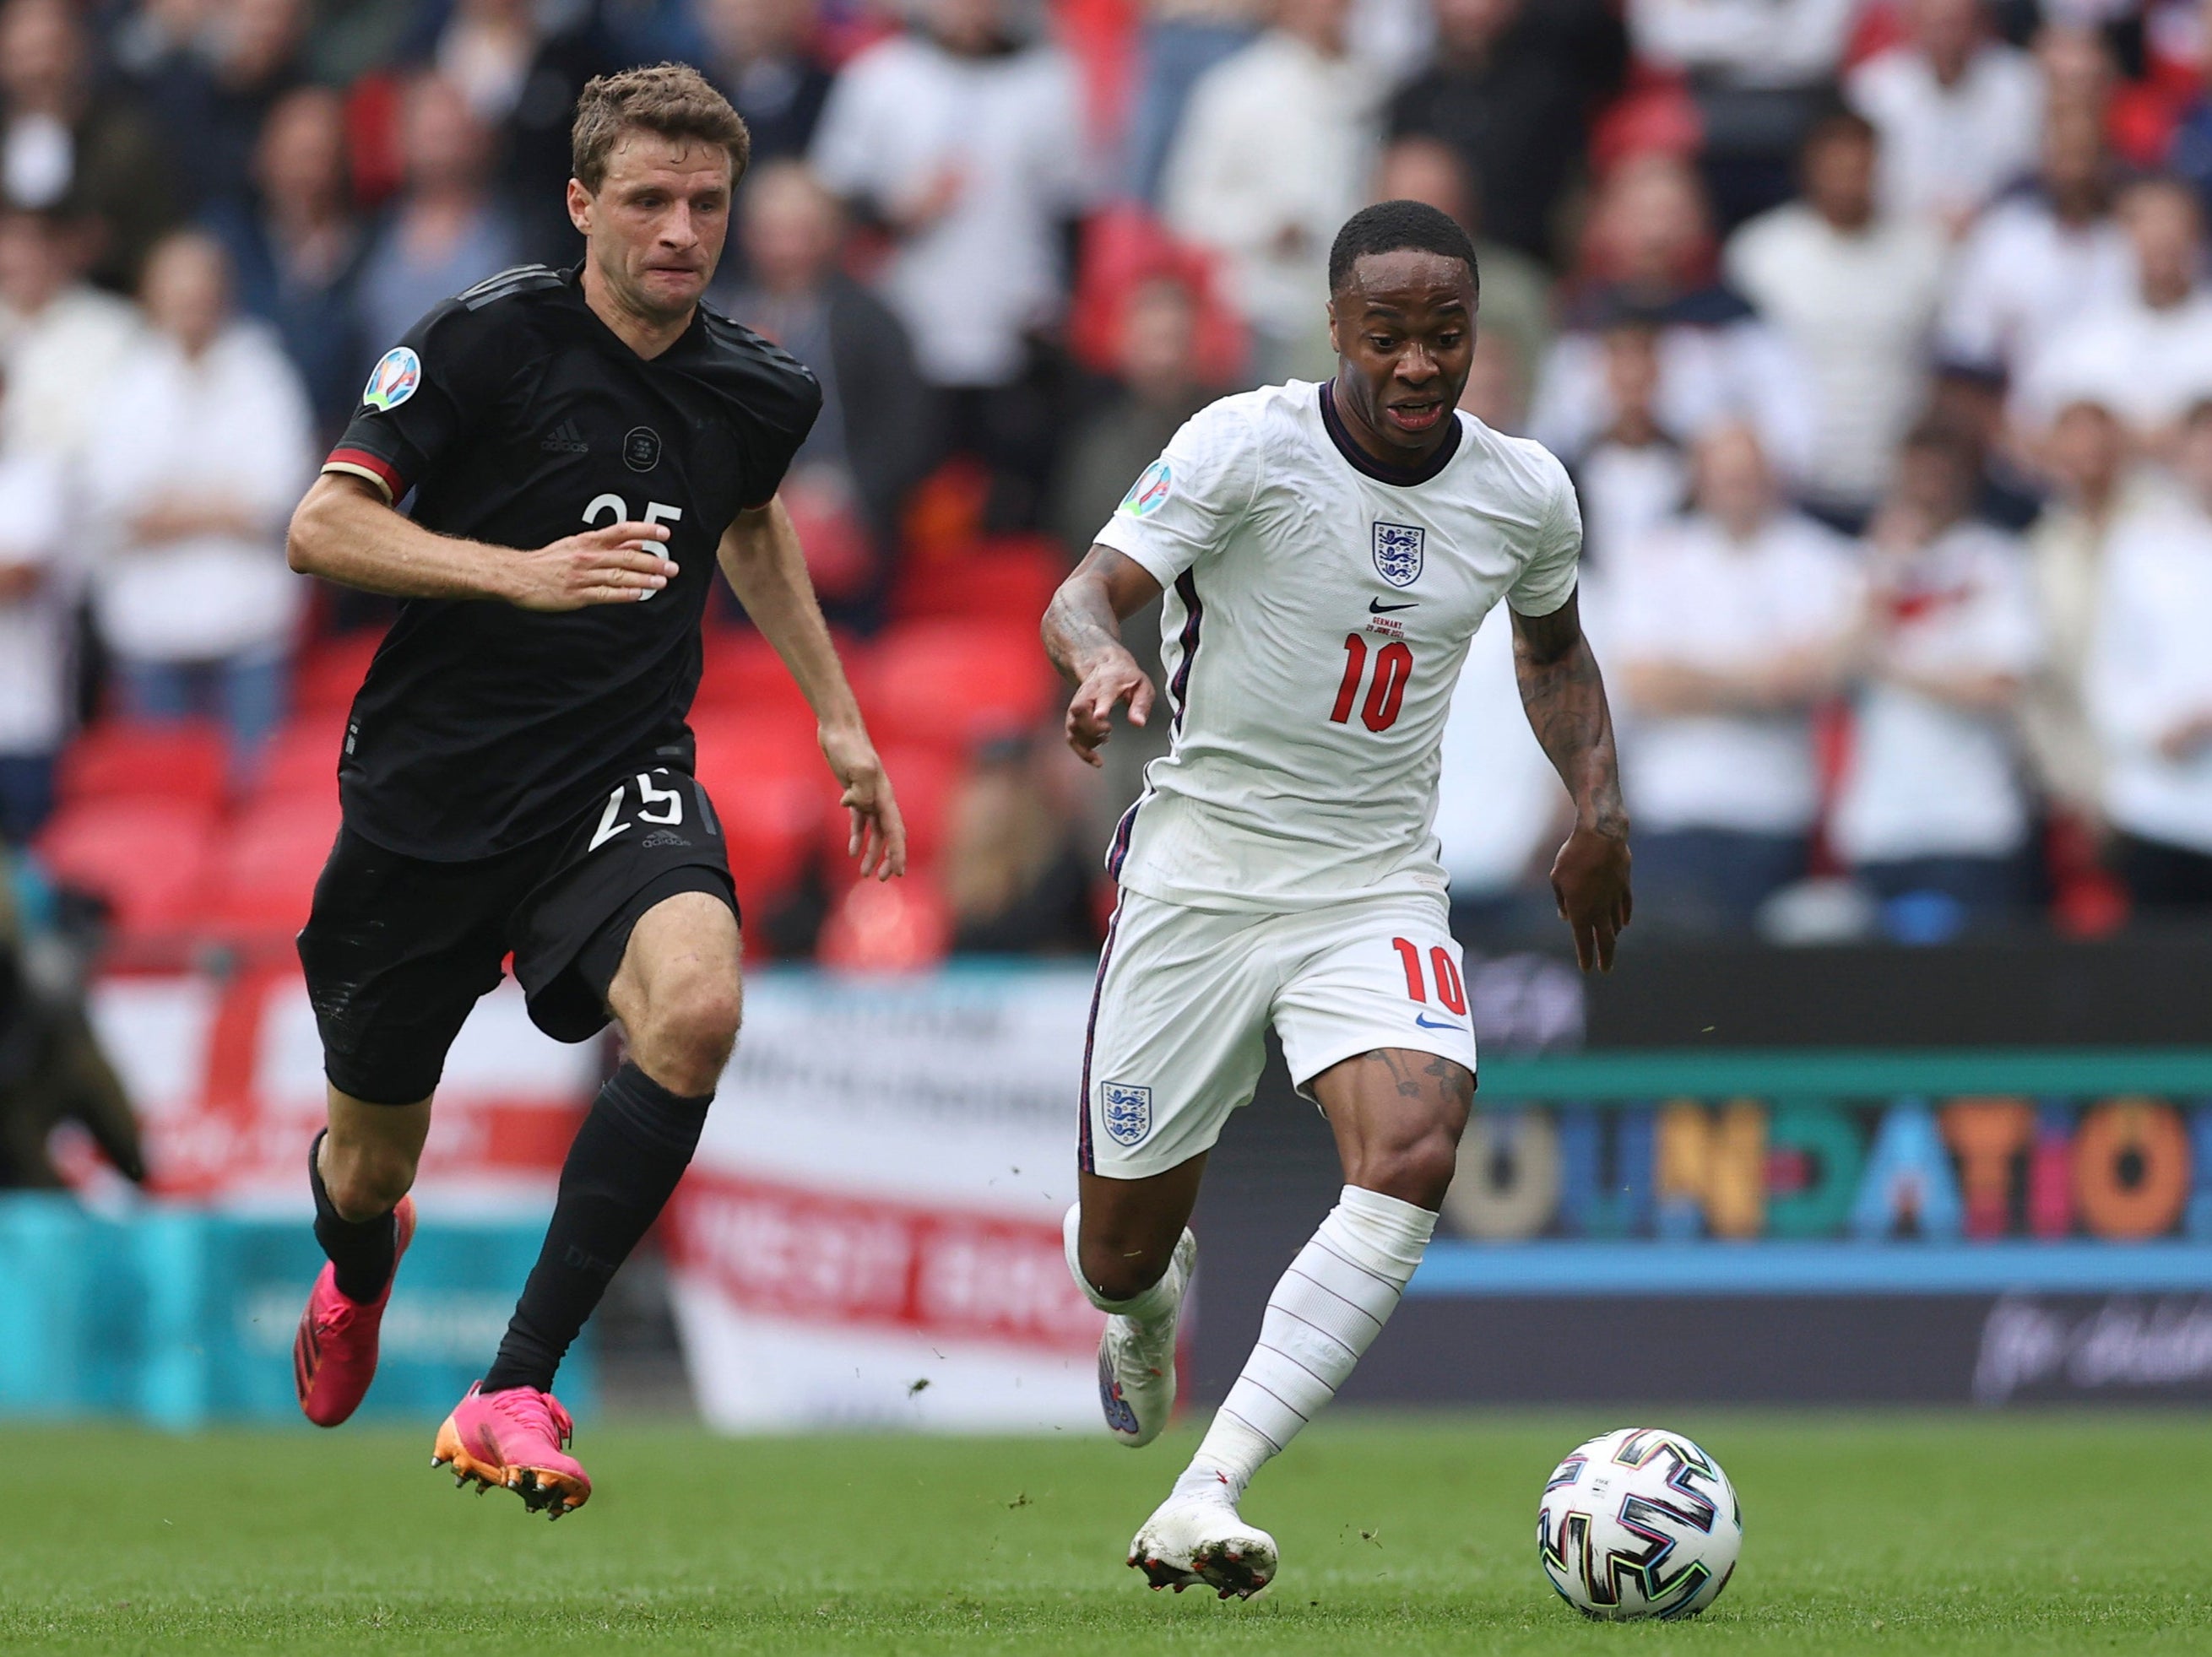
673	100
1387	227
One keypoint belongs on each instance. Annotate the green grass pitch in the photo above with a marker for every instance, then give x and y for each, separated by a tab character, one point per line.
1934	1533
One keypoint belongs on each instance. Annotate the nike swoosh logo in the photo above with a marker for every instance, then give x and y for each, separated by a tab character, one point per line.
1428	1023
1376	607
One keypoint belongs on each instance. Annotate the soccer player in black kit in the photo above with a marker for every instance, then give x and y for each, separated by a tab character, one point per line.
582	447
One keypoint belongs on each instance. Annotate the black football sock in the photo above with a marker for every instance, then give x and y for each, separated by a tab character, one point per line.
632	1148
363	1251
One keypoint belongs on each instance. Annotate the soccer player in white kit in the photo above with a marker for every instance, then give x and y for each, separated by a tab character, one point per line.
1328	552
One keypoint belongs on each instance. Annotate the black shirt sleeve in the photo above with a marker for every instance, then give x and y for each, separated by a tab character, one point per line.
424	394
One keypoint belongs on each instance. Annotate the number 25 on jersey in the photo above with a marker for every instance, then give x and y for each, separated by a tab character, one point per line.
1386	691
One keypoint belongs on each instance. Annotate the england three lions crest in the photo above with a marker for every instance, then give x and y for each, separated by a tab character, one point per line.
1128	1112
1399	550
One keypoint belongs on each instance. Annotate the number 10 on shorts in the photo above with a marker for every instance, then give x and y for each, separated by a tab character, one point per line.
1451	991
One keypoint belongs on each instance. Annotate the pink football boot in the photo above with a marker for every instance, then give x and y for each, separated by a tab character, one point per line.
515	1438
334	1354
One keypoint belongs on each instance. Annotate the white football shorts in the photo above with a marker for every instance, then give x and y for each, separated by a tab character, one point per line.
1184	998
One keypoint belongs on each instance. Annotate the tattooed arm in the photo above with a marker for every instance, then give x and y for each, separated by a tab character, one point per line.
1083	636
1565	699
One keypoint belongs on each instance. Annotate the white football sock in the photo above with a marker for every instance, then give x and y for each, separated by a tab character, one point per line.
1332	1302
1162	1300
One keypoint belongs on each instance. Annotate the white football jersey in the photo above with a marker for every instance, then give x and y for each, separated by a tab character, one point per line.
1318	608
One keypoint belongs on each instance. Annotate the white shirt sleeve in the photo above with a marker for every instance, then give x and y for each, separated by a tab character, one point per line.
1191	500
1547	579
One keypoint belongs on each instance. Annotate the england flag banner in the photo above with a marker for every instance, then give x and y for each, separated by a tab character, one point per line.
869	1235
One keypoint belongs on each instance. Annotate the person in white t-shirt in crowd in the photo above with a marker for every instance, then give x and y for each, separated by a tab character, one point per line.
2098	485
1855	291
207	443
2149	683
1724	631
63	336
1959	112
1634	476
2042	256
1650	252
35	606
1931	814
967	144
1277	148
2147	353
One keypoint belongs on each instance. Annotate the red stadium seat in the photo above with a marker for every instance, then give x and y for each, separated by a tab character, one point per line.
146	857
904	925
184	761
262	876
302	758
742	675
1010	581
328	675
950	683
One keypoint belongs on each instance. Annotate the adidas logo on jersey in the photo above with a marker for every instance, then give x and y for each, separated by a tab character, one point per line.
564	439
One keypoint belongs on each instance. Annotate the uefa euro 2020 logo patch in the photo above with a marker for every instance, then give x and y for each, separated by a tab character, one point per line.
1128	1112
1399	550
395	379
1149	492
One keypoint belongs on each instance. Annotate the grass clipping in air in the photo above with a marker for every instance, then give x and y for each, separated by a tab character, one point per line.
1934	1533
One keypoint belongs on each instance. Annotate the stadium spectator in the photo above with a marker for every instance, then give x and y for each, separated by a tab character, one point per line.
1930	804
1154	389
1633	476
872	442
2097	488
1650	259
213	91
446	232
763	57
2041	256
1516	302
1722	632
1016	879
519	66
1277	149
205	446
64	148
1959	112
2146	355
1511	89
62	338
1182	41
1854	292
36	604
967	146
1759	72
2149	679
1501	810
297	245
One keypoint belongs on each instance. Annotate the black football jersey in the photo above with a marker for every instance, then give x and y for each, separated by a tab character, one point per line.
517	417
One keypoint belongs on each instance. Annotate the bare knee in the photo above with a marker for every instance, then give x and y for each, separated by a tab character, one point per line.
687	1035
1416	1169
1121	1268
366	1177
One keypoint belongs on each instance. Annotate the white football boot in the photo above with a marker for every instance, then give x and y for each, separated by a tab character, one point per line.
1195	1536
1136	1362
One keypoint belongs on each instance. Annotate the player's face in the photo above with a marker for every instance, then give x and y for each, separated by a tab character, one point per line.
1403	326
655	225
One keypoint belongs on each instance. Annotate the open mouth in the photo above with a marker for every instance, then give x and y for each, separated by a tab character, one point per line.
1415	416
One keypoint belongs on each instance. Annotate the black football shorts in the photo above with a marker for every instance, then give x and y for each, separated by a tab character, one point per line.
398	948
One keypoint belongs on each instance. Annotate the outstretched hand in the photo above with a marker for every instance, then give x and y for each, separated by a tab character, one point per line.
1589	879
1116	679
879	832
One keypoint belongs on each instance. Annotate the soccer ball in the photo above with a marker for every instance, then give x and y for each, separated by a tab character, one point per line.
1640	1522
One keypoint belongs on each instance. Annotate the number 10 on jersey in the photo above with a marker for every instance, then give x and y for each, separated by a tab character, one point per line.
1386	693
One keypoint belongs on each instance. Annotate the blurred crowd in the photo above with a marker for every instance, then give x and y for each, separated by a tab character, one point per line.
1876	334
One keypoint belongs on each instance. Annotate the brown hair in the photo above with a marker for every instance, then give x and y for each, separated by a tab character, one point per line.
673	100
